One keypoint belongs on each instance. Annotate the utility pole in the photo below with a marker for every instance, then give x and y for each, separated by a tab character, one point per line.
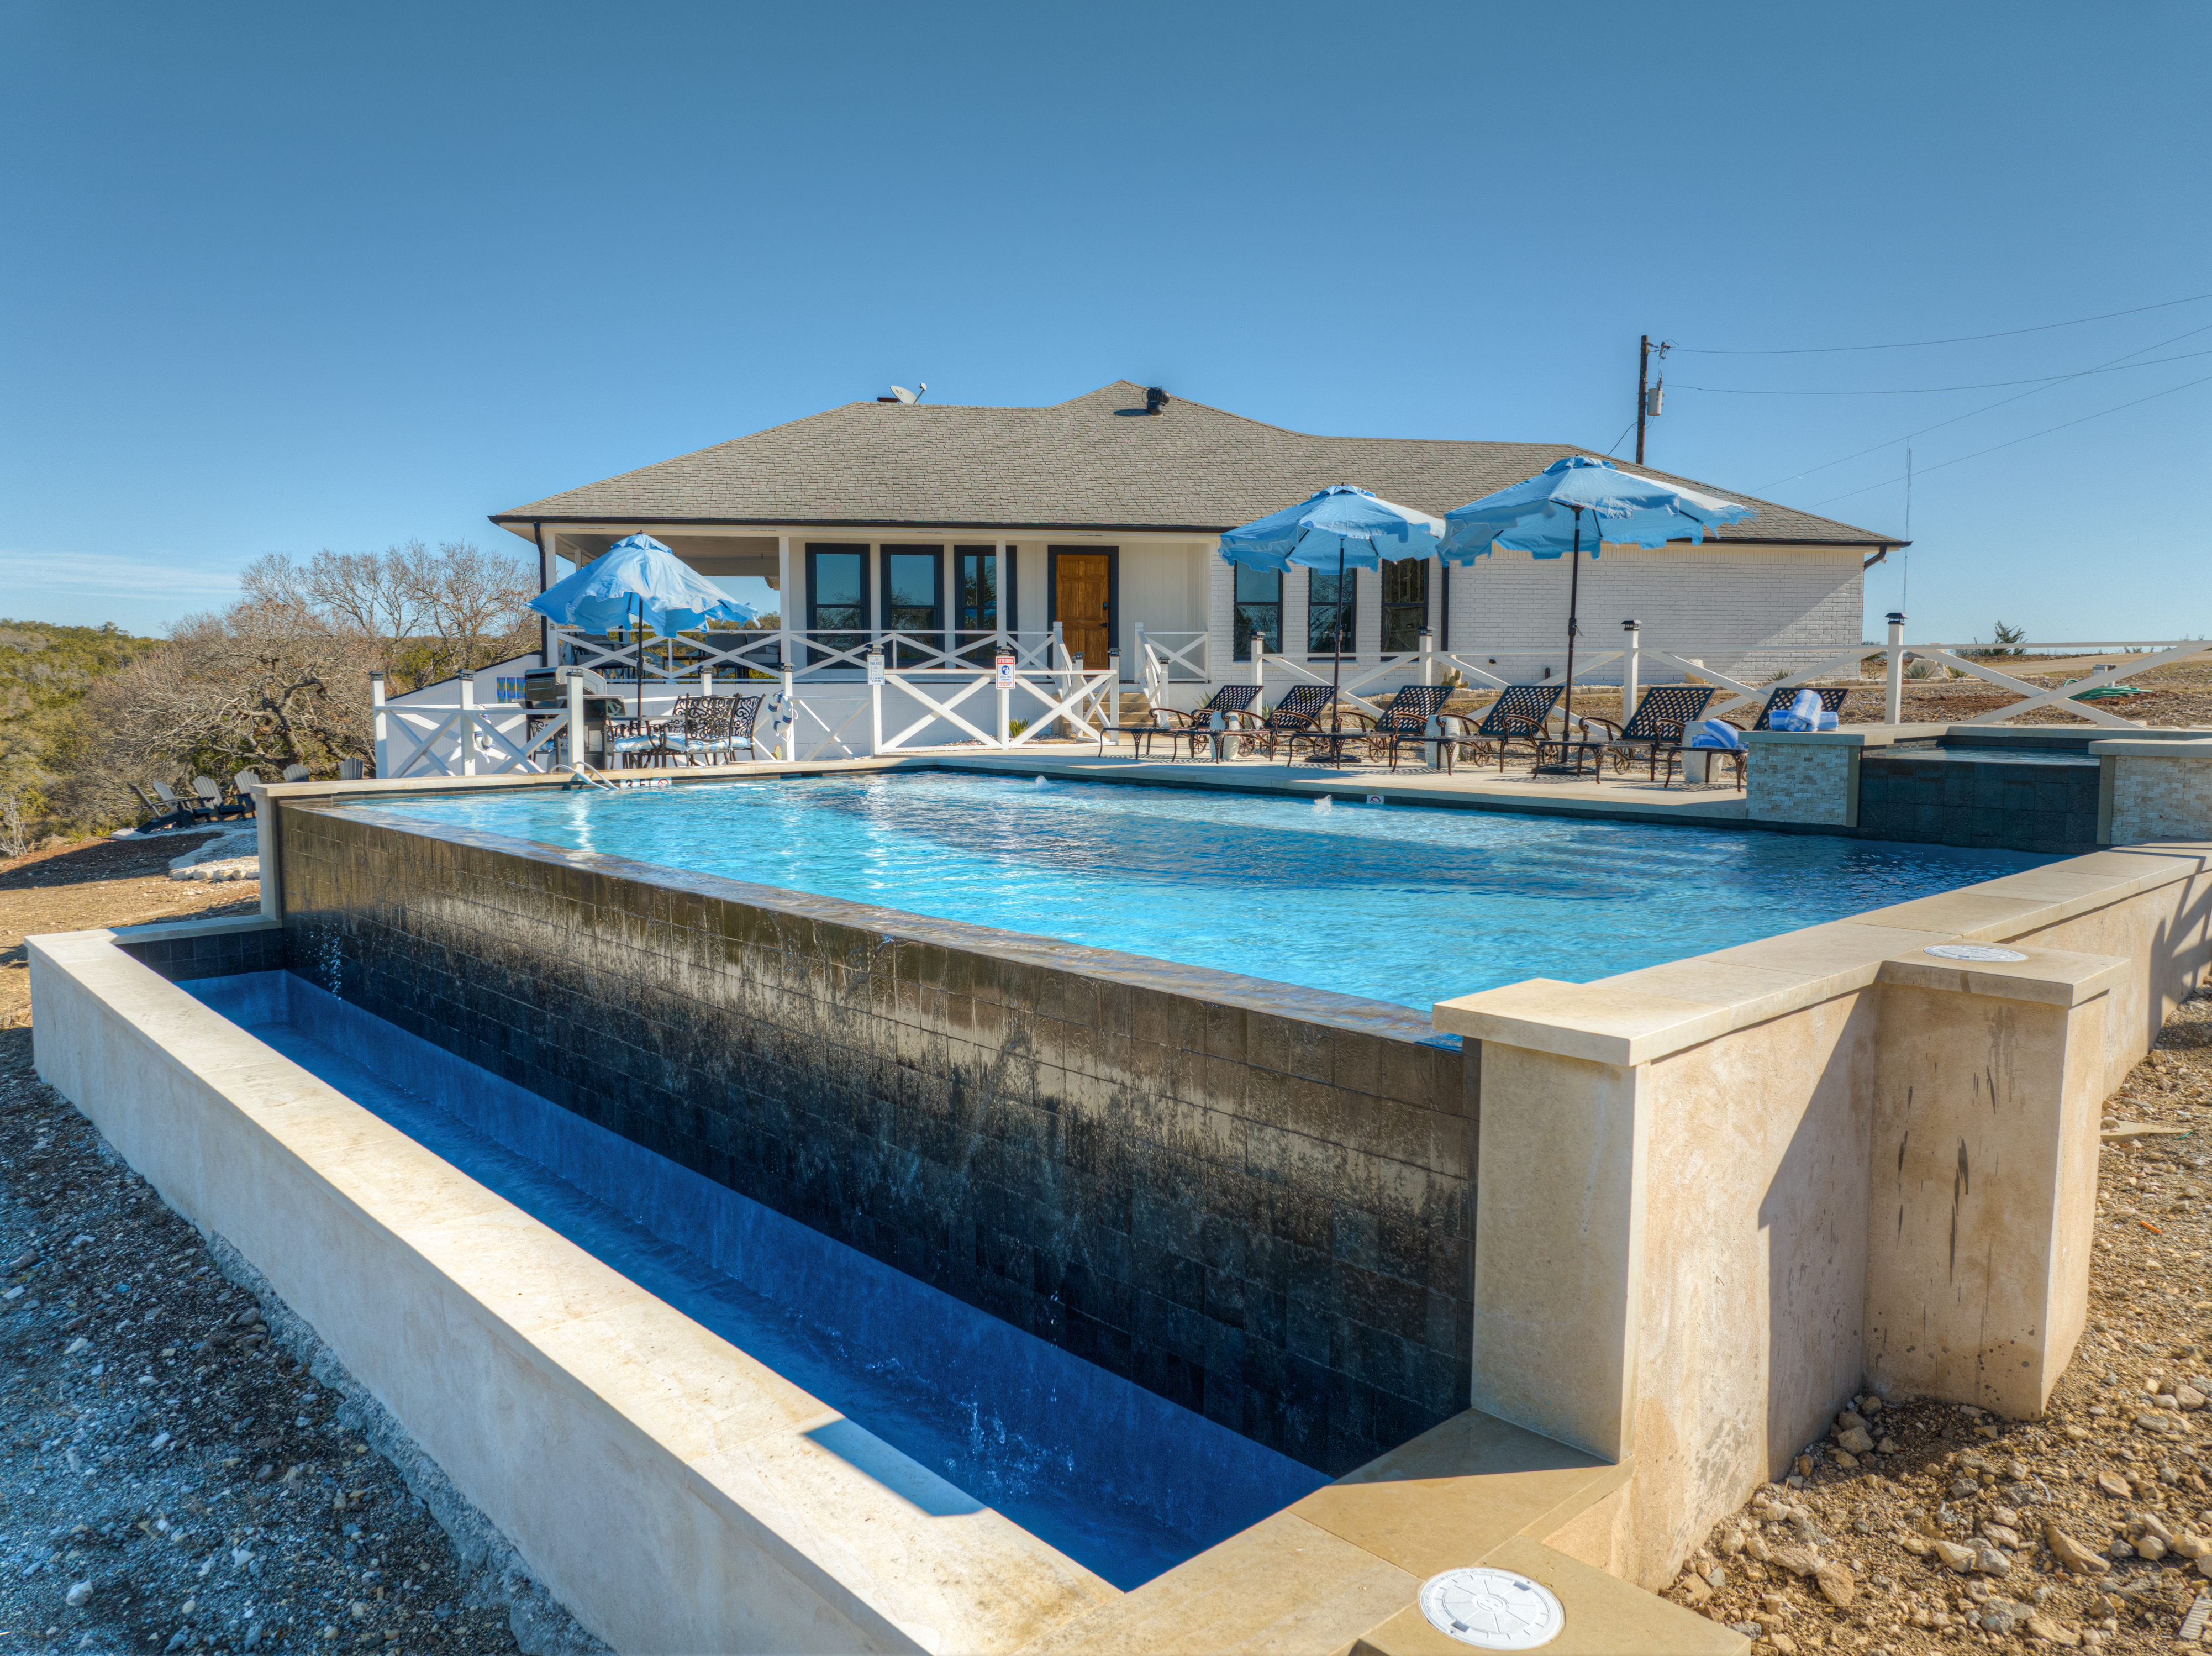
1642	392
1648	399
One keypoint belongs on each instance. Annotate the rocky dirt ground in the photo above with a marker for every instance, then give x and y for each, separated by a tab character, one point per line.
99	882
182	1466
173	1478
1924	1527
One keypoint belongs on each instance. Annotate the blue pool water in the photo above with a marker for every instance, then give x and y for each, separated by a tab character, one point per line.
1394	902
1123	1481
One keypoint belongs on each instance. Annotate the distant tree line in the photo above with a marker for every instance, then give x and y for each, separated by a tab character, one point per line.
279	678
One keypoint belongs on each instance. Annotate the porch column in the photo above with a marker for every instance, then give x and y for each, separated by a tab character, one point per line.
1002	622
785	592
948	578
546	576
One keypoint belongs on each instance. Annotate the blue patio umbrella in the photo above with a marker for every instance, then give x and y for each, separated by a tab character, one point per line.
1350	528
638	574
1543	515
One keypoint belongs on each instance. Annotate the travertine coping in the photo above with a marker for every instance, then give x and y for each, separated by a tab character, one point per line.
1639	1016
2138	747
1848	736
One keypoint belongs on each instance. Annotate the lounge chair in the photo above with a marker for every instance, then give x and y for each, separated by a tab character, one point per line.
219	808
1406	716
1300	710
159	815
1832	701
242	784
1655	730
190	810
1515	718
1230	705
1414	715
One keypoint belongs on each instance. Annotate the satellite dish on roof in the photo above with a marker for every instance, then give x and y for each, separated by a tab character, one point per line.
906	396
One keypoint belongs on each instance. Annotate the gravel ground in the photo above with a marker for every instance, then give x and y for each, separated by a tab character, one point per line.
185	1467
100	882
2083	1528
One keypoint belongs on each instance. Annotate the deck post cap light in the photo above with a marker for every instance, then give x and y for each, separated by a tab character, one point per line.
1897	618
1632	626
1493	1610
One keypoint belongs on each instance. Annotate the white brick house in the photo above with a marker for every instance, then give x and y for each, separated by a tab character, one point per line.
1102	515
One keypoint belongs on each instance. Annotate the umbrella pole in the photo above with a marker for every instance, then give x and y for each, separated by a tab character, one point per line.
1336	673
1574	591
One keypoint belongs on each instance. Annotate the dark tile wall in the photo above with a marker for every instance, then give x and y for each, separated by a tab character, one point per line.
2013	805
214	953
1250	1198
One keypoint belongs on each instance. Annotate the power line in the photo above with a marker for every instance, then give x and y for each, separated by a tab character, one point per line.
2045	432
1956	339
2187	333
1930	390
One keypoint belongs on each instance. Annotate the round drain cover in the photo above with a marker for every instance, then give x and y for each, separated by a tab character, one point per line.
1492	1609
1972	951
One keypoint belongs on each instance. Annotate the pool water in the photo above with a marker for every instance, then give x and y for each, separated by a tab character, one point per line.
1394	903
1121	1480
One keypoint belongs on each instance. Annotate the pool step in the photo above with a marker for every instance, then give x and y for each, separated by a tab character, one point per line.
1340	1573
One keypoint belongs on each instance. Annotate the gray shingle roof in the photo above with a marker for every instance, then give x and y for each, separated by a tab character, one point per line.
1086	464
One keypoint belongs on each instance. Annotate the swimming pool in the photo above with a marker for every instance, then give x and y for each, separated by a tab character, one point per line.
1400	904
1125	1483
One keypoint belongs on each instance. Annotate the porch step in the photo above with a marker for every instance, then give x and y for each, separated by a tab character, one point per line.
1134	709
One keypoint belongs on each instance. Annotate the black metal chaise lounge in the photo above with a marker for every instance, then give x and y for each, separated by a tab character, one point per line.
1175	724
1404	715
1655	727
1300	710
1516	717
1409	717
1779	701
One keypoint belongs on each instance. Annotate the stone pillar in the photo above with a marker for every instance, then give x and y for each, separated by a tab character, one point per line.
1988	1082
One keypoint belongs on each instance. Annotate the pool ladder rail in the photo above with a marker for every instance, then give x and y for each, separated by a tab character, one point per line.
599	779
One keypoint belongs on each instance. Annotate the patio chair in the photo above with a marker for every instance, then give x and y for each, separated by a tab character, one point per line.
1515	718
1655	727
242	783
219	808
1231	703
1301	709
1409	718
712	727
295	773
190	810
639	742
1832	701
159	816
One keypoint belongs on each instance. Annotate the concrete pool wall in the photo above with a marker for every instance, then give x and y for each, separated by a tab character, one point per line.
1248	1197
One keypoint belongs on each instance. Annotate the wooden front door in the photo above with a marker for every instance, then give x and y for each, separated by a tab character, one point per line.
1082	589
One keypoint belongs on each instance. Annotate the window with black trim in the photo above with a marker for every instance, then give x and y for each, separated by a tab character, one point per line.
975	594
1331	612
1405	603
837	597
914	599
1258	611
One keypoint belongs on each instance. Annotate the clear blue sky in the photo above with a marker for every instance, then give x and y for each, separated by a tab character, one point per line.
278	277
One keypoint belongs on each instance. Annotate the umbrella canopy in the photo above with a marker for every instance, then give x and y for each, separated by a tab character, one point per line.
1543	517
1341	527
1543	514
638	574
1350	528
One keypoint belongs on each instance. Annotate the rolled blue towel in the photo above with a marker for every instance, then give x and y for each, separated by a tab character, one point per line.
1716	732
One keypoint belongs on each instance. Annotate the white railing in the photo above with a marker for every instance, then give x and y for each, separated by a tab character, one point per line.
1166	658
820	653
457	738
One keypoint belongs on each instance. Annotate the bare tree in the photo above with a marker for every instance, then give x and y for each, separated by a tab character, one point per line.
426	615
